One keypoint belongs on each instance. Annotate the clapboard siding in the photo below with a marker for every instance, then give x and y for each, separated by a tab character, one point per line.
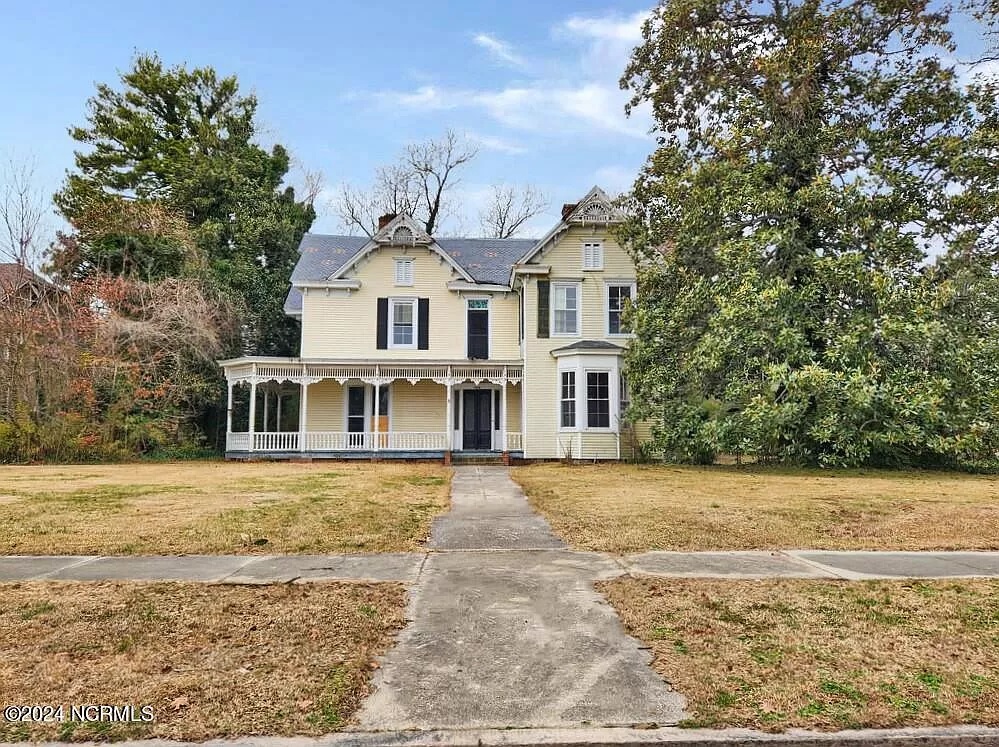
543	439
342	324
418	407
325	407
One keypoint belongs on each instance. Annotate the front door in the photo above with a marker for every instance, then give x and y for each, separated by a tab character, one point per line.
477	428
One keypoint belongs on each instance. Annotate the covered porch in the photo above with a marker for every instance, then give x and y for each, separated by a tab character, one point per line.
289	407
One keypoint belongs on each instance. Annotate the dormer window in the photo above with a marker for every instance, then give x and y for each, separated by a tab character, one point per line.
404	271
593	255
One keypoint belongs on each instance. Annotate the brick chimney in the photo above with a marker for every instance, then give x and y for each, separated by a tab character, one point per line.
385	220
567	208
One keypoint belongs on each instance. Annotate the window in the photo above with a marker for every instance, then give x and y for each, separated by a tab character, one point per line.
618	296
565	309
383	401
567	400
597	399
623	396
477	328
403	323
593	255
404	271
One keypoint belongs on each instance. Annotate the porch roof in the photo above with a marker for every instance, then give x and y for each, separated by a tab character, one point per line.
259	369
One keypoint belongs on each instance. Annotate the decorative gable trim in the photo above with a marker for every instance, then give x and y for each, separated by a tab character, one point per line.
596	208
401	231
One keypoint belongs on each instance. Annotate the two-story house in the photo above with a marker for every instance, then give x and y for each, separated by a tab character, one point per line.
420	347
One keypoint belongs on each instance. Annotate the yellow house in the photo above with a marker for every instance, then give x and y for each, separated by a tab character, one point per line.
420	347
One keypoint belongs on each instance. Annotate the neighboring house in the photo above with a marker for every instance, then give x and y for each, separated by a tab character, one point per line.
20	283
419	347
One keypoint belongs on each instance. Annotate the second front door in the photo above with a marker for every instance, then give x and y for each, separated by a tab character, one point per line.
477	428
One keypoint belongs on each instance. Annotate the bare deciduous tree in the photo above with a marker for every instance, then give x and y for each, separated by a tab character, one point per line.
417	184
433	164
509	209
312	186
22	208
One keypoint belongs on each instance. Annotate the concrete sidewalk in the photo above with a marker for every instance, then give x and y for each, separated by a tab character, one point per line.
932	736
405	567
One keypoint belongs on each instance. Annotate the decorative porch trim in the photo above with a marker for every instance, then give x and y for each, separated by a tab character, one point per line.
258	370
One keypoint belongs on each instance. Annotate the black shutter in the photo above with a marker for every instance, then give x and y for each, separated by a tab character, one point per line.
423	318
544	289
381	336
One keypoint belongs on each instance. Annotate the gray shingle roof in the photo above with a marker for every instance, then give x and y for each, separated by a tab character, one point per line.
486	260
320	255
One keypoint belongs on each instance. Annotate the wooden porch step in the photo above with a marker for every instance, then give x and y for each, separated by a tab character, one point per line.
476	457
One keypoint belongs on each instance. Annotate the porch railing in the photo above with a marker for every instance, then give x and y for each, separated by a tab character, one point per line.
237	442
285	441
514	442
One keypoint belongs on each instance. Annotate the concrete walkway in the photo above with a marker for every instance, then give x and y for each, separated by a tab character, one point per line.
489	511
513	638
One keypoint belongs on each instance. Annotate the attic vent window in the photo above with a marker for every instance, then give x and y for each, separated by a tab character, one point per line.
404	271
593	255
402	234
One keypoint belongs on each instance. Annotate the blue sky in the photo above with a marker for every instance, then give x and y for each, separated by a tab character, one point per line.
345	85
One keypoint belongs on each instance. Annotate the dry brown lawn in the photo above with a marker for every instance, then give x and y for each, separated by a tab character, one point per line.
826	655
622	508
212	661
219	507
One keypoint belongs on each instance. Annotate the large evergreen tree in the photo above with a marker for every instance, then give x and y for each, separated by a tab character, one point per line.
811	154
186	139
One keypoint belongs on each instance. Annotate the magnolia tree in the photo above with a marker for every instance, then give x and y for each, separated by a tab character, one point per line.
816	236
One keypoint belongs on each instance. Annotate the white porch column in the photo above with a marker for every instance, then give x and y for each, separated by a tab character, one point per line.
267	399
253	411
228	412
278	426
502	414
303	411
449	417
378	411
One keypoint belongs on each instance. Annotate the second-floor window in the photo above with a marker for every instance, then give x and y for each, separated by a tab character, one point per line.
618	297
403	271
565	309
403	315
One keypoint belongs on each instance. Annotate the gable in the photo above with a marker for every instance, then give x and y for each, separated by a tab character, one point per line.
594	210
565	253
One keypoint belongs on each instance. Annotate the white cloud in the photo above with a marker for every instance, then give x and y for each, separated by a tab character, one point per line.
499	50
979	71
490	142
613	28
591	107
607	41
575	94
615	180
424	97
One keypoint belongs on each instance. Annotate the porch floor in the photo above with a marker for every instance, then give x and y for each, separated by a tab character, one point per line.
366	454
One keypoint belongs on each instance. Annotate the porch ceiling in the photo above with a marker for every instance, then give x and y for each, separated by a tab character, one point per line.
259	370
